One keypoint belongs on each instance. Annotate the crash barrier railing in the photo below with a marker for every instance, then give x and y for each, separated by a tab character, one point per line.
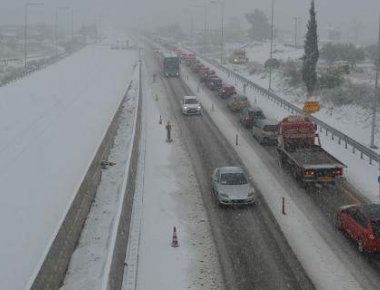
114	267
341	137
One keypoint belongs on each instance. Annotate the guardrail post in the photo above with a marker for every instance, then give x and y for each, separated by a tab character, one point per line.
353	149
326	132
339	141
283	206
332	136
345	146
361	155
237	140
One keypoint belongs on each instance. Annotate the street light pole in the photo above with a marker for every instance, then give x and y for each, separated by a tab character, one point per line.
271	50
296	19
204	6
222	35
221	3
376	96
191	30
26	5
25	32
72	24
205	28
57	9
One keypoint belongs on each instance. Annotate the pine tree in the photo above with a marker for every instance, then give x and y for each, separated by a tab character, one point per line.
310	58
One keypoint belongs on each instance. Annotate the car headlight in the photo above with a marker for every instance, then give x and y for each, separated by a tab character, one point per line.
185	107
199	107
223	195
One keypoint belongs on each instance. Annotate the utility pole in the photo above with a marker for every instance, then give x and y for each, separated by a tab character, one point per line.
376	95
191	29
56	28
26	5
221	3
72	24
296	19
271	49
205	28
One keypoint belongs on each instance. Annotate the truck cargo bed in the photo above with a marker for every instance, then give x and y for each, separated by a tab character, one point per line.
313	157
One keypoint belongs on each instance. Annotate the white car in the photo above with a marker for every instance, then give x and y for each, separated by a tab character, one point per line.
191	106
231	186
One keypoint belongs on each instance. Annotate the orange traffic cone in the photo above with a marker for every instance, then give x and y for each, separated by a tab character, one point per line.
175	239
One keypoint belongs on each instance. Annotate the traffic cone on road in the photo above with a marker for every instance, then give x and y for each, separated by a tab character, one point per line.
175	243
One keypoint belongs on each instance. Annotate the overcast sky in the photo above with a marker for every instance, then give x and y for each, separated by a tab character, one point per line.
356	17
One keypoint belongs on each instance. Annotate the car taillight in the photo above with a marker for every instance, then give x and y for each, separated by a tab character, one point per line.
308	172
337	171
370	236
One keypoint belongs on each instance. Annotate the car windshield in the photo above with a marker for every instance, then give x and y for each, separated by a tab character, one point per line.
191	101
241	99
271	128
257	114
376	228
233	179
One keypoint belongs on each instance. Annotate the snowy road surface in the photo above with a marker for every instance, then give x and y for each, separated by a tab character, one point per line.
317	244
251	249
170	197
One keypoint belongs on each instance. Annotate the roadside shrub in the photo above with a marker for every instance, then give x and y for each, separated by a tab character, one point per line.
292	73
350	93
255	68
274	63
330	79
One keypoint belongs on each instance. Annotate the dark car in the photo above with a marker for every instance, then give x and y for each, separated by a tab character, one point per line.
265	131
205	75
226	91
361	222
214	83
249	115
237	102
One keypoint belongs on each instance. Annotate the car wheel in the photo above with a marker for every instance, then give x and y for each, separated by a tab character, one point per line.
360	246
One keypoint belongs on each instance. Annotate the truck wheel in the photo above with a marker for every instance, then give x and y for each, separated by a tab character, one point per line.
360	246
281	160
338	222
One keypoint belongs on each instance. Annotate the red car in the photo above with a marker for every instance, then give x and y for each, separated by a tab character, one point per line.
226	91
238	102
362	223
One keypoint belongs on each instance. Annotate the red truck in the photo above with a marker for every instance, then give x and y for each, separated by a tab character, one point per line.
299	149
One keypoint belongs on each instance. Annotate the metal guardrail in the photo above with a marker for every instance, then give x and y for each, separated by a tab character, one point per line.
341	137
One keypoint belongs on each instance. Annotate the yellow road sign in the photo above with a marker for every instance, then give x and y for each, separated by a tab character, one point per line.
311	107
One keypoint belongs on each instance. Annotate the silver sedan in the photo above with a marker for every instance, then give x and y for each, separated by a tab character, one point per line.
231	187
